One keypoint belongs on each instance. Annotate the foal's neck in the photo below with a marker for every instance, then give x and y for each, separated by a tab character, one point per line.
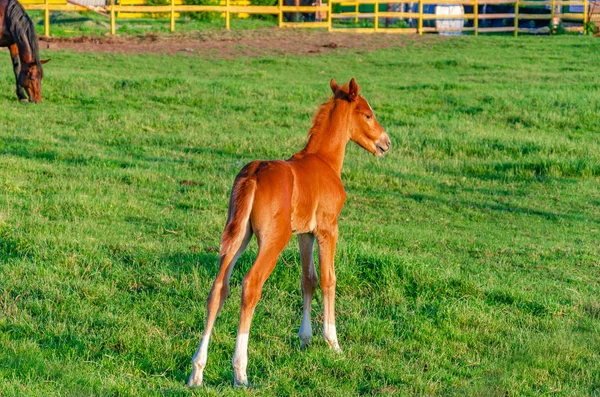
329	135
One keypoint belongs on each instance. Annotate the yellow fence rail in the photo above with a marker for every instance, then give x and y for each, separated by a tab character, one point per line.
324	15
475	16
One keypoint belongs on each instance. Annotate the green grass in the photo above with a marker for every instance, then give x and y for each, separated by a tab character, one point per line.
470	249
75	24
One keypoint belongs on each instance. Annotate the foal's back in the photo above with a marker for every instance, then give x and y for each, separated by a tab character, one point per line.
299	191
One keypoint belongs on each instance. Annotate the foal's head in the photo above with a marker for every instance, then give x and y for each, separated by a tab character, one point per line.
30	78
363	126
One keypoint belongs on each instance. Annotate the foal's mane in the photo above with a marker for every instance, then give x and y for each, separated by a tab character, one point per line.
321	118
323	114
22	30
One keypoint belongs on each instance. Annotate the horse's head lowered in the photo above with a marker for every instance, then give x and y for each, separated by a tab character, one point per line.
30	78
363	126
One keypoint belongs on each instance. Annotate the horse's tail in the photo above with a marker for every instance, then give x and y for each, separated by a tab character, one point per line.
240	208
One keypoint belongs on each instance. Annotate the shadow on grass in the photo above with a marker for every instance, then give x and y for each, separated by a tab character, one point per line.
12	246
504	298
539	170
33	150
509	208
185	262
484	206
61	20
219	153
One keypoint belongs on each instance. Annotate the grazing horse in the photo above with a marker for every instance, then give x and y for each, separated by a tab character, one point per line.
18	34
303	195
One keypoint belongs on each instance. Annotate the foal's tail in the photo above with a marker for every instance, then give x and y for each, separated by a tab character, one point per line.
240	207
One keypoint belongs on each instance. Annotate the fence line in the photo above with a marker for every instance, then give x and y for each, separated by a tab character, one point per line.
172	9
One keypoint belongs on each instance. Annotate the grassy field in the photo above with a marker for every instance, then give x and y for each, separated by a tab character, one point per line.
468	261
74	24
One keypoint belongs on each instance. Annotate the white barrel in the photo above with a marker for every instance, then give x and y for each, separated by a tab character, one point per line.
446	26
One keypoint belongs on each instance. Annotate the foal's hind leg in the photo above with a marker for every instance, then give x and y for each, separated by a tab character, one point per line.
309	284
14	56
218	293
327	240
269	248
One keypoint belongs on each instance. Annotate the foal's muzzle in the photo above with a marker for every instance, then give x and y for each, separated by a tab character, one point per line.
383	145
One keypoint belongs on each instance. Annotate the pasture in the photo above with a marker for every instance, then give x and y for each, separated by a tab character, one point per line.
468	261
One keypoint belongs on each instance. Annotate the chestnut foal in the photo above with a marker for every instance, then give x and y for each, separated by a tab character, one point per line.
274	199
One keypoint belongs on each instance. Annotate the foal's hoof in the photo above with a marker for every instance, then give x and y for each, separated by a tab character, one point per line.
335	347
24	100
195	380
304	342
240	383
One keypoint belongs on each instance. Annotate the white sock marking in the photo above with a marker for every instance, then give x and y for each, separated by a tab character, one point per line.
199	362
330	335
240	360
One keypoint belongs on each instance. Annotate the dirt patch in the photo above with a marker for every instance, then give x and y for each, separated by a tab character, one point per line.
231	44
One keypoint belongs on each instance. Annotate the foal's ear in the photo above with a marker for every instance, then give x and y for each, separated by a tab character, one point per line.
334	86
352	90
43	61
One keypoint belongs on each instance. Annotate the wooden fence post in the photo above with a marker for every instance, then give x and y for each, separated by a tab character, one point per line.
516	18
329	15
172	16
585	17
113	22
420	17
280	5
46	19
227	15
476	17
356	9
376	21
552	14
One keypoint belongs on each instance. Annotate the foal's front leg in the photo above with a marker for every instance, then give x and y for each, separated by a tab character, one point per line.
14	56
309	284
327	240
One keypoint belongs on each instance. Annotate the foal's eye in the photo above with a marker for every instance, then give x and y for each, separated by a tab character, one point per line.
369	117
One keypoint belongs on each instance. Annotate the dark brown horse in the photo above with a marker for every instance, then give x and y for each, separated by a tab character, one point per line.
18	34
